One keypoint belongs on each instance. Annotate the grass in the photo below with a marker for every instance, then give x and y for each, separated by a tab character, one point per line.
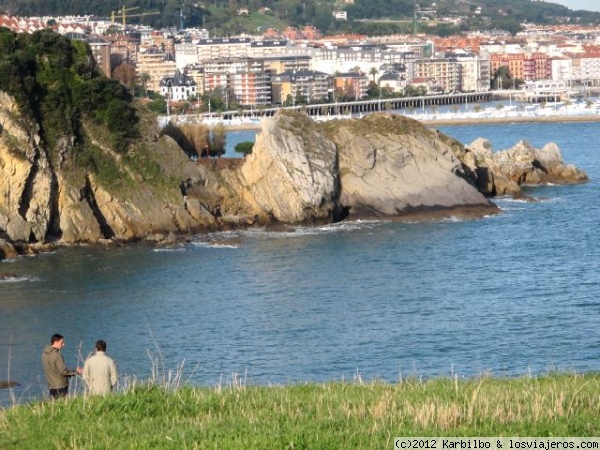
333	415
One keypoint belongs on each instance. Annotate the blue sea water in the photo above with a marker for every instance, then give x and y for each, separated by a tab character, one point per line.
509	295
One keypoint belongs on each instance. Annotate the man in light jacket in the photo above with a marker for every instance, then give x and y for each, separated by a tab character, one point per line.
55	369
100	371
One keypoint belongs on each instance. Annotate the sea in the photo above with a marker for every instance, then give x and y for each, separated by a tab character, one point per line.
514	294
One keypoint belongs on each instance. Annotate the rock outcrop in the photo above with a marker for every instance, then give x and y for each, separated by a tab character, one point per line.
299	172
379	166
504	172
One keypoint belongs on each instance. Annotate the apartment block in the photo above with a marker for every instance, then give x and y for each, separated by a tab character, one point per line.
586	67
445	72
279	64
156	64
247	79
350	85
526	66
344	59
306	85
223	48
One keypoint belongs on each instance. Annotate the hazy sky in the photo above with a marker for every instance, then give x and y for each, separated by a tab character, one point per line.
590	5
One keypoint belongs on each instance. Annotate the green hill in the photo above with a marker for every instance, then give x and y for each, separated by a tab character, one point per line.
221	17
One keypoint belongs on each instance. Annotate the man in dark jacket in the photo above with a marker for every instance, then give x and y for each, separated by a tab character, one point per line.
56	372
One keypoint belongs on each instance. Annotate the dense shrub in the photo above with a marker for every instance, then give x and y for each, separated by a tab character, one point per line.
55	82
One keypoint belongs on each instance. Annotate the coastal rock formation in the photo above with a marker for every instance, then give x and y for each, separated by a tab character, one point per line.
301	171
504	172
379	166
7	251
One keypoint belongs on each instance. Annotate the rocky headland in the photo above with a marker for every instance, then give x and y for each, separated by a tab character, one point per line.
300	172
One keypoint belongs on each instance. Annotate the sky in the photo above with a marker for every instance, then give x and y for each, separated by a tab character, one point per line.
590	5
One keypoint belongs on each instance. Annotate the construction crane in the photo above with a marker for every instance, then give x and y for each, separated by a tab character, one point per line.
123	13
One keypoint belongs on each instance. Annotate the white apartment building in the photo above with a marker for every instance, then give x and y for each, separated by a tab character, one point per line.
562	69
586	67
475	73
264	49
186	54
344	59
223	48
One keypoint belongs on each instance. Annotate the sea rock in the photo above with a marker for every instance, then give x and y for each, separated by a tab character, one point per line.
292	174
389	166
7	251
380	166
504	172
8	384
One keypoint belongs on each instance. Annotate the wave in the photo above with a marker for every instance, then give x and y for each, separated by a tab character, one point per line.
12	278
169	249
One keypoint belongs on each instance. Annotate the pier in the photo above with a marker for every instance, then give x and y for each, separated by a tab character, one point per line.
369	106
358	107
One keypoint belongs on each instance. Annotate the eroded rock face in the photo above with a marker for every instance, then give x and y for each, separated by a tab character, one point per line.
390	165
292	175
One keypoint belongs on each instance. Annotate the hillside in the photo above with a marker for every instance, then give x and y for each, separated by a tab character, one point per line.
221	17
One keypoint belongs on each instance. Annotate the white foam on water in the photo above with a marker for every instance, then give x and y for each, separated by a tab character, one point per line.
15	279
169	249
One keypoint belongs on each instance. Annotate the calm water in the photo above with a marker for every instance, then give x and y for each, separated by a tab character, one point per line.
511	294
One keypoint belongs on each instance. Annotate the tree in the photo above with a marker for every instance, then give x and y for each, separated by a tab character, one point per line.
144	78
502	78
373	72
245	148
125	74
197	136
218	141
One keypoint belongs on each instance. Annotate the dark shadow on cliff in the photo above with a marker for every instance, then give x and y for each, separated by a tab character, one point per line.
181	139
88	194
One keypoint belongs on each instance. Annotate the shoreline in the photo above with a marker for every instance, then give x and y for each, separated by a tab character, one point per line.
461	121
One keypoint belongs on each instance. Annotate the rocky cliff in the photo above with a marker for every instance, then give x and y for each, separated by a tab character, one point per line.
299	172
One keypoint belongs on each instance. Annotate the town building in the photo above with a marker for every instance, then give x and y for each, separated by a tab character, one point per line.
446	73
154	64
178	87
285	63
223	48
247	79
524	66
301	86
392	81
349	86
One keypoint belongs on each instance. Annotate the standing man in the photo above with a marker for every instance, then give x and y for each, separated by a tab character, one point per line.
100	371
56	372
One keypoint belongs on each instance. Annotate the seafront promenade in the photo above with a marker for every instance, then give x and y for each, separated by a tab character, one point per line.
558	112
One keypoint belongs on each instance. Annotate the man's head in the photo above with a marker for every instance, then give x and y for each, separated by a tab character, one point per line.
101	346
57	341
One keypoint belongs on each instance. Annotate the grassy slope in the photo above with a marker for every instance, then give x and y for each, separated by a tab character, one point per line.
315	416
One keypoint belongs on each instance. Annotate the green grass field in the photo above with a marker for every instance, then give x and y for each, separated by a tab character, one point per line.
337	415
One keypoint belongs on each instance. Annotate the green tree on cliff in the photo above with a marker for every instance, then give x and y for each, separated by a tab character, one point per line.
57	85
